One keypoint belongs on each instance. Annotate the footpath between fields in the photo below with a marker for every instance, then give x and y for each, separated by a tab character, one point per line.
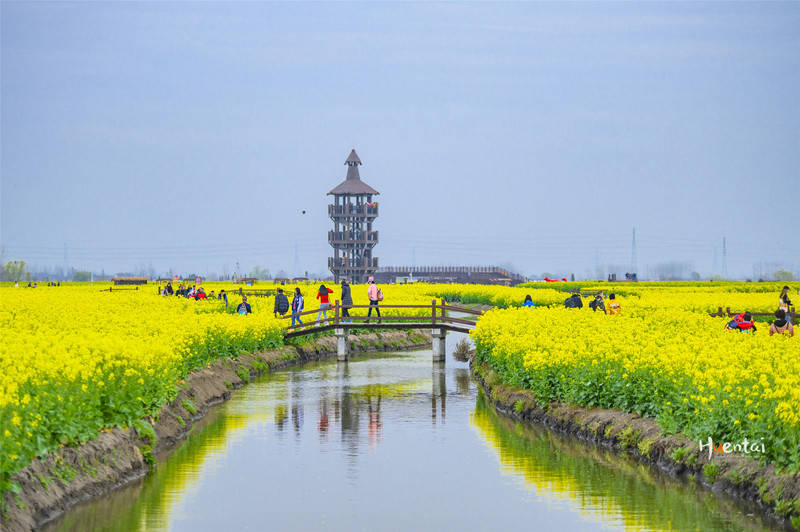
51	485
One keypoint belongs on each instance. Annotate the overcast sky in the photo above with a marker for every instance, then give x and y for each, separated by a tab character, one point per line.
191	136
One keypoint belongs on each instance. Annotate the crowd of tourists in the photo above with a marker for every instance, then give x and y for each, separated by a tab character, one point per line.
282	305
742	322
609	305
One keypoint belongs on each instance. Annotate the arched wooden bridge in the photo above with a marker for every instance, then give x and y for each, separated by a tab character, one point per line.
436	317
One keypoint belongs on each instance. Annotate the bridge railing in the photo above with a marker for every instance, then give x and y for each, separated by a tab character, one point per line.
436	313
727	313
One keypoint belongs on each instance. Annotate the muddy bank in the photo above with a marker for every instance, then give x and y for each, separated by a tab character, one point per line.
63	478
775	495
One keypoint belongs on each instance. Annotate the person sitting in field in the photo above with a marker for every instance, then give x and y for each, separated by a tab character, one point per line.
281	303
200	294
781	325
742	322
244	307
613	305
574	301
528	301
598	303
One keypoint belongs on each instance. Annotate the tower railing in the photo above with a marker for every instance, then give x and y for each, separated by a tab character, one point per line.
352	237
366	263
352	210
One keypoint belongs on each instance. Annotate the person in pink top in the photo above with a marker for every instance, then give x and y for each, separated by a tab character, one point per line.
375	295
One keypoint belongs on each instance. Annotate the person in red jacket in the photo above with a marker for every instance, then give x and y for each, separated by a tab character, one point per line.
324	302
742	322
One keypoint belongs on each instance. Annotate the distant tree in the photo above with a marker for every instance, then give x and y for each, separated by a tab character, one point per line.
14	270
717	277
695	276
81	276
783	275
671	271
260	273
572	277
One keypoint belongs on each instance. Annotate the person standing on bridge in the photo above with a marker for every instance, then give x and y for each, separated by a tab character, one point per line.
297	307
281	303
324	302
375	296
347	300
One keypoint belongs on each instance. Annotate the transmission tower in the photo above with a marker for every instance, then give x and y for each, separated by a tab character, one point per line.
634	259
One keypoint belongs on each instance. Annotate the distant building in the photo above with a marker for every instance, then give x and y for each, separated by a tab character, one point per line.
129	280
245	280
449	274
353	212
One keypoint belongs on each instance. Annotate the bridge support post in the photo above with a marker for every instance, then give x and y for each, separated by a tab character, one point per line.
342	349
438	336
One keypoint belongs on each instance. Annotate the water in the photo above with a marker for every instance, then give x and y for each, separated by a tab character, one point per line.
392	442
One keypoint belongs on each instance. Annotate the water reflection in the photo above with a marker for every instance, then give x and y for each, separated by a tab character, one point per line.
602	484
365	445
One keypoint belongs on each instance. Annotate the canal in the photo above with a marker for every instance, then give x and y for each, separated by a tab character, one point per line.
392	442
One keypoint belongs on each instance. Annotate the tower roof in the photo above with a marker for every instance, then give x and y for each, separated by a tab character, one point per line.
352	183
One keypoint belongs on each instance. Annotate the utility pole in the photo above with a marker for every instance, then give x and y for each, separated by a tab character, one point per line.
296	267
724	257
634	259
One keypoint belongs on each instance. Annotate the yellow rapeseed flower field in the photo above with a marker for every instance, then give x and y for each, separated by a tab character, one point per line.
663	357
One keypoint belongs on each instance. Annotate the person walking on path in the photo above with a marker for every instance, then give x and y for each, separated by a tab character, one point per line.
244	307
781	325
784	303
324	302
375	295
281	306
297	307
347	301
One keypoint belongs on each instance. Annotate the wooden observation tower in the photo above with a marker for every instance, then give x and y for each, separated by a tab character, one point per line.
353	213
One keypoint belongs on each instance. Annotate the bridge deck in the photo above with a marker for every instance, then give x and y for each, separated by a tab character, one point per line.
293	333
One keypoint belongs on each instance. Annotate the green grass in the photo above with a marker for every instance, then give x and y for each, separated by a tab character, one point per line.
711	472
189	406
679	454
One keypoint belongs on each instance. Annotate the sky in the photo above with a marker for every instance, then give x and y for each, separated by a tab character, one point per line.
191	136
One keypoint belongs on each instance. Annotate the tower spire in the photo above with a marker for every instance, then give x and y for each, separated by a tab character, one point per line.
353	163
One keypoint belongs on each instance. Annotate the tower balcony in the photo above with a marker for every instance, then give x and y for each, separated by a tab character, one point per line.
352	264
345	211
352	237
